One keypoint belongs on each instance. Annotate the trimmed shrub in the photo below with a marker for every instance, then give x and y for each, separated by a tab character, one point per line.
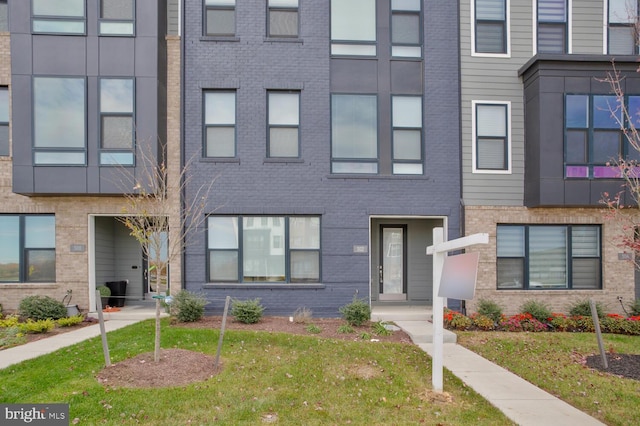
537	310
39	326
345	329
483	322
11	336
314	329
42	308
69	321
583	308
455	320
357	312
188	306
491	309
247	311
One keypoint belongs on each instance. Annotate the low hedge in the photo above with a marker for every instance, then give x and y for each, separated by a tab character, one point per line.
610	323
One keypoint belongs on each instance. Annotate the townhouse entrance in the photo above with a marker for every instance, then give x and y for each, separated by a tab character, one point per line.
401	272
115	255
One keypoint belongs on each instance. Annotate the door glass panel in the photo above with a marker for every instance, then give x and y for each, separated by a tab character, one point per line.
392	260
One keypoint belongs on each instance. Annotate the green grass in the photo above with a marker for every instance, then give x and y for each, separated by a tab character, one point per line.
551	361
301	380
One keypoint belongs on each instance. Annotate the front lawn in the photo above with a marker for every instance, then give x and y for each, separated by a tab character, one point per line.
266	378
555	363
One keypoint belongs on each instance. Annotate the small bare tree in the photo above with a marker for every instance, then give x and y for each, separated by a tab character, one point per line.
621	206
157	217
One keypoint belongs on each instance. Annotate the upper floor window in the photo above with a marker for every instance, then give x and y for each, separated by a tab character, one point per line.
354	134
273	249
491	136
560	257
117	17
116	121
353	27
284	122
220	124
283	18
552	26
490	33
220	17
406	39
58	16
594	139
407	135
27	248
59	105
4	121
623	27
4	18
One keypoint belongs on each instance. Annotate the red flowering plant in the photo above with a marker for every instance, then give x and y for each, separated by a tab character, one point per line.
523	322
560	322
456	320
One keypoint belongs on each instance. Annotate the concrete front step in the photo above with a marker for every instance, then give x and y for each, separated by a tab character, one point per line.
401	313
422	332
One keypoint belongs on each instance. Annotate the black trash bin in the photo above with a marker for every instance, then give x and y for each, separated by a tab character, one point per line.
118	292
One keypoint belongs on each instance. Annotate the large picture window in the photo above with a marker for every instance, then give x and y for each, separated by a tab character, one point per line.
117	17
622	26
283	18
594	139
265	249
491	32
552	26
284	122
220	18
58	16
27	248
491	136
116	121
353	27
406	38
4	121
220	124
59	120
354	134
407	135
539	257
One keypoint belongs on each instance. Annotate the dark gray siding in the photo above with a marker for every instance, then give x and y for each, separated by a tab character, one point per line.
92	57
251	184
546	80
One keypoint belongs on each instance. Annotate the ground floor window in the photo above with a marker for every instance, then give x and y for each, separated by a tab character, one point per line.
27	248
263	249
535	257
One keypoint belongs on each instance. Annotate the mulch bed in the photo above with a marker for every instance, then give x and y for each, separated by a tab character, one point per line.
625	365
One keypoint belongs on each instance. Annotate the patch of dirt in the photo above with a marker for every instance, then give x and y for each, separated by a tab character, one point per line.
625	365
178	367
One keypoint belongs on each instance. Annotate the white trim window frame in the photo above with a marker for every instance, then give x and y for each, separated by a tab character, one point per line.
620	17
477	17
480	134
568	39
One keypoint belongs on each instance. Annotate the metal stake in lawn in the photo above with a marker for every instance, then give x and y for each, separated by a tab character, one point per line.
439	250
103	333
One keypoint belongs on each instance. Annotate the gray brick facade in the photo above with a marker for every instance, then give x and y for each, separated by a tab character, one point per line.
252	184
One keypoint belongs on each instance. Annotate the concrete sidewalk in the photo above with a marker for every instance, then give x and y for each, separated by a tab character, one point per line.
519	400
51	344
